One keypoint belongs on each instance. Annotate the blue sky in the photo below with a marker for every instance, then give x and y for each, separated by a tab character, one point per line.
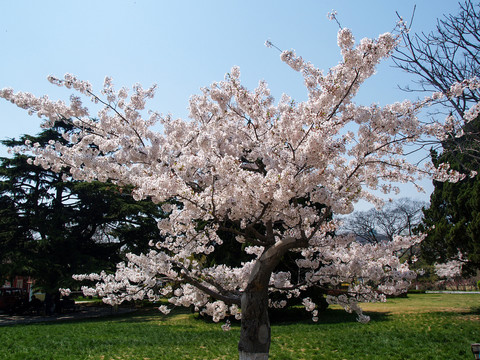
185	45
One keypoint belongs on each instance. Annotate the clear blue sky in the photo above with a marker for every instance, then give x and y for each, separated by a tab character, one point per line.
184	45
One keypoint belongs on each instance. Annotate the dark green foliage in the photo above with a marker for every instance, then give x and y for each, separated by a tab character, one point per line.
52	227
453	218
14	241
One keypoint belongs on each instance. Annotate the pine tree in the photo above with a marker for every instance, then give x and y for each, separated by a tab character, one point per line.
52	227
453	218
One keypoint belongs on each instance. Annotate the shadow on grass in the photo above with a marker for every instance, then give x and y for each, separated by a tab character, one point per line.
474	311
328	316
278	317
67	318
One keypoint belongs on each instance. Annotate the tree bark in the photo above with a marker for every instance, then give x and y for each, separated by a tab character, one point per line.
255	337
255	328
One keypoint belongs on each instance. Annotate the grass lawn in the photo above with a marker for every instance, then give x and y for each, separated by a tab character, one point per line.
421	326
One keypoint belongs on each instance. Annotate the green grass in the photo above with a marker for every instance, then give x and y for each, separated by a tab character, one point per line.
422	326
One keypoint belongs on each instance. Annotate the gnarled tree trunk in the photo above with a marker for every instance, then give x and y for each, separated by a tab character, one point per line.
255	329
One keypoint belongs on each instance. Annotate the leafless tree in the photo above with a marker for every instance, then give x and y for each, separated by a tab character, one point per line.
400	217
445	56
450	54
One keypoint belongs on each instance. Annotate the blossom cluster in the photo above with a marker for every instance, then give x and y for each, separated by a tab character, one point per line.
450	269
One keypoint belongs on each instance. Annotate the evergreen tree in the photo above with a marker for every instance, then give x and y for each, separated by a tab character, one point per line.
453	218
52	227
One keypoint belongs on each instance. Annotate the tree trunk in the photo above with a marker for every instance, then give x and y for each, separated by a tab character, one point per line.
255	329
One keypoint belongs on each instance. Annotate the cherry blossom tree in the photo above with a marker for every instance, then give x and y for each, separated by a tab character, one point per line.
271	175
